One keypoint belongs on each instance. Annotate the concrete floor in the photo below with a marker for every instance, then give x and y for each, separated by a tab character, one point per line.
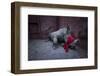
43	50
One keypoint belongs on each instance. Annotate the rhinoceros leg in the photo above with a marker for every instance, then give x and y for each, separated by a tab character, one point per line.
55	42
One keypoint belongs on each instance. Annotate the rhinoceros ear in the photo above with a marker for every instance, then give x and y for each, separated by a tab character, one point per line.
68	28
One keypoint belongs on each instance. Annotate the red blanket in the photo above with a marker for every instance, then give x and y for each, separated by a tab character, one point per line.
70	39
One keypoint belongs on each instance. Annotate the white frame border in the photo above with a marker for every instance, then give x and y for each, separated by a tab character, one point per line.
25	64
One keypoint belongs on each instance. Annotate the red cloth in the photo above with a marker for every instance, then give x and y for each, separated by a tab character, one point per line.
70	39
